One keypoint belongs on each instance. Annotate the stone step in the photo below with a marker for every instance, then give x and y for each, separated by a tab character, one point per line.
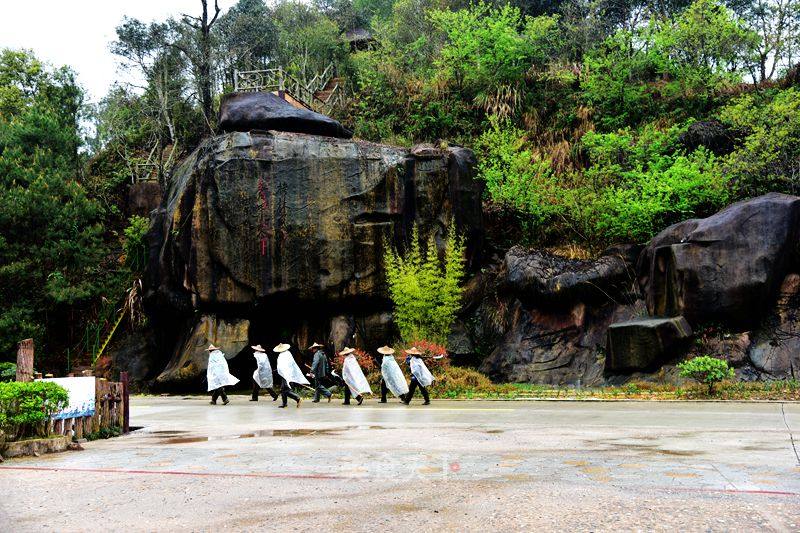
640	344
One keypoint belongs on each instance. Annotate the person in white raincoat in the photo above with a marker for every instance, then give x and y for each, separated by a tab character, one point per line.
353	376
392	378
289	373
217	375
262	377
420	376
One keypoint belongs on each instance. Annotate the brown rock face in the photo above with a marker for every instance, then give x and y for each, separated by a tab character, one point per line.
191	357
287	230
255	215
776	347
726	267
557	313
638	344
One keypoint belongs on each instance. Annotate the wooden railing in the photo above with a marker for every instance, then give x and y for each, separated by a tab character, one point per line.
277	79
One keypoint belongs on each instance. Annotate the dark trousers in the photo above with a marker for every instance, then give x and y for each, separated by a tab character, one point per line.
287	392
216	393
412	387
348	394
384	391
319	389
257	389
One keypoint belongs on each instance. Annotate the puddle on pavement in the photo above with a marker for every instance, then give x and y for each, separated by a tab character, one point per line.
681	453
301	432
614	445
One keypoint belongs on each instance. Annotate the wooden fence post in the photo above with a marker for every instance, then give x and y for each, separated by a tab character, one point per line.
25	360
126	414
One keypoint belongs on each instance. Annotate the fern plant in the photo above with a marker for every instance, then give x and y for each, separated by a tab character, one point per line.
426	289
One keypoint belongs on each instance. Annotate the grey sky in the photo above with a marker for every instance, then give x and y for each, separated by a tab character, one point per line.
77	33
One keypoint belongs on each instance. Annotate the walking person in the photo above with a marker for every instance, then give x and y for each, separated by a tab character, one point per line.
289	373
262	377
217	375
353	376
392	378
319	371
420	376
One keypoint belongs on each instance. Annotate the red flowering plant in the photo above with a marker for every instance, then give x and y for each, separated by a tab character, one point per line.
434	354
365	360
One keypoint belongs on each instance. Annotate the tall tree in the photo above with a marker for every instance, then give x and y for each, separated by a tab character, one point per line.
198	51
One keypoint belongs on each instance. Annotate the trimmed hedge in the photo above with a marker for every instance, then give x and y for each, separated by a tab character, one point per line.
25	408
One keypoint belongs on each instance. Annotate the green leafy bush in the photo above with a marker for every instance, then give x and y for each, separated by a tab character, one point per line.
706	369
8	371
25	407
425	289
767	159
135	243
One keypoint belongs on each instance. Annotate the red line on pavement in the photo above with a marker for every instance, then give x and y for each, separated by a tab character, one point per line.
731	491
173	472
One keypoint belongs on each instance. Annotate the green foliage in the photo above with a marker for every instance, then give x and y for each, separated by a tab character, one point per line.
648	183
8	371
486	47
25	408
769	155
51	234
425	289
671	67
635	183
518	178
707	370
135	244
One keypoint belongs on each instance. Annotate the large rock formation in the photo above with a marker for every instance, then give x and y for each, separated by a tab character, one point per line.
727	267
286	231
255	215
267	111
555	313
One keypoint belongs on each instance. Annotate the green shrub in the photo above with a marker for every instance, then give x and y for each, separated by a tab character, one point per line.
706	369
767	159
136	244
425	289
8	371
25	407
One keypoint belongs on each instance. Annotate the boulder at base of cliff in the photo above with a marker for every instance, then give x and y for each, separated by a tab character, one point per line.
188	365
556	348
642	343
555	313
536	276
727	267
267	111
775	350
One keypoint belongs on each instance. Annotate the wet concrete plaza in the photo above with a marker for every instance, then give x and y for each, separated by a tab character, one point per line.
453	466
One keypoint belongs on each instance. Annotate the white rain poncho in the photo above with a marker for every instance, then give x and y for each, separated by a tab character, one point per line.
289	370
263	374
217	373
393	376
354	377
421	372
